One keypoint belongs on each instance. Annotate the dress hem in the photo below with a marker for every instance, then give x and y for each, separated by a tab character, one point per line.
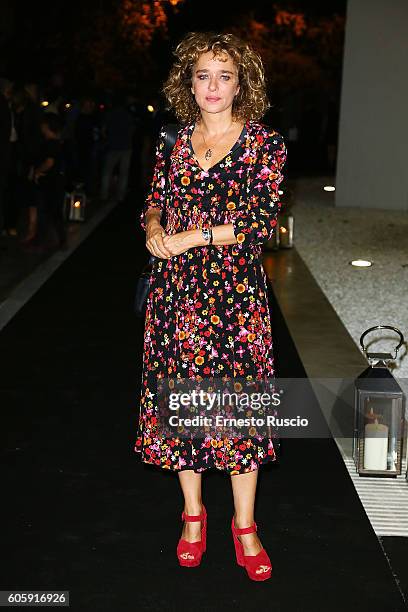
231	472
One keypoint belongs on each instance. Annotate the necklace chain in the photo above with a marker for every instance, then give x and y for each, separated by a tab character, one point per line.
208	153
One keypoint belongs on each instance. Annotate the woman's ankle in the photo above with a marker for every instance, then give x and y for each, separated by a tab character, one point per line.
193	508
240	522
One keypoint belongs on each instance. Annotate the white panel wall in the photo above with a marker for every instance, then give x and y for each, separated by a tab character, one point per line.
372	162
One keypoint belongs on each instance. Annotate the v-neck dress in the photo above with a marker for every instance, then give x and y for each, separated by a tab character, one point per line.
207	311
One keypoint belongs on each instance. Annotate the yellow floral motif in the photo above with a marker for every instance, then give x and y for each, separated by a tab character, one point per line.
199	360
215	319
231	206
240	288
185	180
240	238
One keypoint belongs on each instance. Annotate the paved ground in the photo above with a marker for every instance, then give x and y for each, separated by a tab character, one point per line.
328	238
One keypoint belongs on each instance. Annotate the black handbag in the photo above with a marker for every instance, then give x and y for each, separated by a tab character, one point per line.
143	283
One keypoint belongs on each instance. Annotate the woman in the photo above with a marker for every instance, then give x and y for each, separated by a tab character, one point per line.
207	312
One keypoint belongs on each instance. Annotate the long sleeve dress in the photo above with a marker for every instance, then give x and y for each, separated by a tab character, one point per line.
207	312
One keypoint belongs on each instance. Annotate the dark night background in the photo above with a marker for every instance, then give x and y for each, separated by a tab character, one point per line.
106	45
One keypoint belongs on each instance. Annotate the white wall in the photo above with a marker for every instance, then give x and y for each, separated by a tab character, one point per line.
372	162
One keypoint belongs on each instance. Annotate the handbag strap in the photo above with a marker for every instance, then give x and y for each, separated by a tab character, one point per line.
170	136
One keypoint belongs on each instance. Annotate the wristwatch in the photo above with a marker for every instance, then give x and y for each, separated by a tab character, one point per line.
207	234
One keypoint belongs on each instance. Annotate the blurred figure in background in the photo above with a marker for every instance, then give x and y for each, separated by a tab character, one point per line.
118	129
28	116
48	192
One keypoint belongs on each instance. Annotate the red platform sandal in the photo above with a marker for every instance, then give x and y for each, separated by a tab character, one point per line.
259	566
189	554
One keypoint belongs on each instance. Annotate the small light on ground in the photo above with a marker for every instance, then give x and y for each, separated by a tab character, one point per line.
329	188
150	108
44	103
361	263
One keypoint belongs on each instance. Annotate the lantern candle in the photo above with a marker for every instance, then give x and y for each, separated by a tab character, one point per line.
375	446
286	232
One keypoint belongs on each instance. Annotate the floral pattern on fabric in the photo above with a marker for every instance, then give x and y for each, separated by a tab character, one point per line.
207	312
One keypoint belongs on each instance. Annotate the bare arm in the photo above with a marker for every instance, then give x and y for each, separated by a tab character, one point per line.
44	167
155	233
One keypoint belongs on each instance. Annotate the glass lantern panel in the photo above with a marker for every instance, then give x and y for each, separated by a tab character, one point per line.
380	430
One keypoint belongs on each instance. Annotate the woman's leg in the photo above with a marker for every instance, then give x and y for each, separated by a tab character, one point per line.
32	225
190	483
244	489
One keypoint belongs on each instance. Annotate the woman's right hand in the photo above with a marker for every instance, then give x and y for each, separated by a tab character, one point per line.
154	240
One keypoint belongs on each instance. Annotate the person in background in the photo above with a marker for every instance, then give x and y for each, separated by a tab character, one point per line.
118	128
28	116
48	177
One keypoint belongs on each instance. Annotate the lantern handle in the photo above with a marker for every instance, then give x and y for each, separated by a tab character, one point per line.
395	329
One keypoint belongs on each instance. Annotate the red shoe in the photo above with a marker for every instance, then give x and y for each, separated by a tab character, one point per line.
259	566
190	553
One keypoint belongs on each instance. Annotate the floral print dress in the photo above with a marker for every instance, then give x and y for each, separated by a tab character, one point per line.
207	311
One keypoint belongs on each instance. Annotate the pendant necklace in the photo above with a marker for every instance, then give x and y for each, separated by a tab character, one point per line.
208	153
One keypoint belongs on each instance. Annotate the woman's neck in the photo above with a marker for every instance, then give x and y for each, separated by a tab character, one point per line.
213	124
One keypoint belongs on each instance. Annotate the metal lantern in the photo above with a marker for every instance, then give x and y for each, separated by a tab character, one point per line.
286	227
75	204
379	415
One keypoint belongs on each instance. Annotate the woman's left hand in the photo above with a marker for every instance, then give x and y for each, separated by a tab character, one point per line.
179	243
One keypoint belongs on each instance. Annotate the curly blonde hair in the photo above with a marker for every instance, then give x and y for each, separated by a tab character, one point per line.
251	102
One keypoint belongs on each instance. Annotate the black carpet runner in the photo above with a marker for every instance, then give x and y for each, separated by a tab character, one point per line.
84	514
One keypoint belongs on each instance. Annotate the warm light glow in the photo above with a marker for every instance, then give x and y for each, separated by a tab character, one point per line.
77	204
283	229
67	105
361	263
150	108
329	188
44	103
